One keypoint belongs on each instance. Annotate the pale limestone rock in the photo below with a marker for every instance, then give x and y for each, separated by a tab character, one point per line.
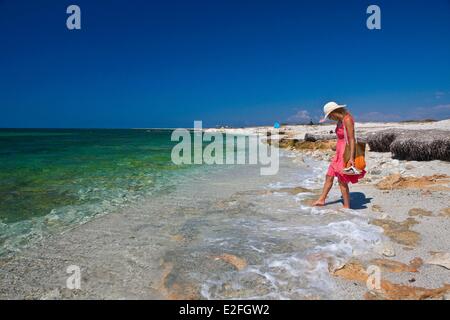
440	259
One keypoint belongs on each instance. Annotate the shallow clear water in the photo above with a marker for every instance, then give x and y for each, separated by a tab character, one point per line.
68	176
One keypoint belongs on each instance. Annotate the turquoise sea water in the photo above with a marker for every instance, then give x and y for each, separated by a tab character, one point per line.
53	178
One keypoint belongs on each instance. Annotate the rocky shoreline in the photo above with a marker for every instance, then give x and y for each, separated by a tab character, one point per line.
409	201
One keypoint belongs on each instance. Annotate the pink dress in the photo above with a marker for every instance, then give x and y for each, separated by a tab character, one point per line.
337	163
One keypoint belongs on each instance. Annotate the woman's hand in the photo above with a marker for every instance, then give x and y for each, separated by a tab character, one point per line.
351	162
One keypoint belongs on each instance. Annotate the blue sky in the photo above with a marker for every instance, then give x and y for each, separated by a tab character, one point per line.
168	63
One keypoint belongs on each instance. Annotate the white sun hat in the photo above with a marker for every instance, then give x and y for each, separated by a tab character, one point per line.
329	108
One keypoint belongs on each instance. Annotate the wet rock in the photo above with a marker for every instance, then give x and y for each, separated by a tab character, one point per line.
250	286
174	288
440	259
293	191
399	231
235	261
419	212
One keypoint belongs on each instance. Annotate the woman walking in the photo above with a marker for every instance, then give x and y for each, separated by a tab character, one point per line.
345	121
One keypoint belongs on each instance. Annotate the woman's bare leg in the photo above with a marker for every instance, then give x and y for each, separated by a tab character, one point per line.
345	194
326	188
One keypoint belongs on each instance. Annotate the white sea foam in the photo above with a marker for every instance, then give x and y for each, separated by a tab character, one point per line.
296	247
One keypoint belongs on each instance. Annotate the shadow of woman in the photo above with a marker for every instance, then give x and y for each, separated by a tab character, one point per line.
358	201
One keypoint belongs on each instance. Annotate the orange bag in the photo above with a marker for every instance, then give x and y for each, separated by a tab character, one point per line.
360	161
360	152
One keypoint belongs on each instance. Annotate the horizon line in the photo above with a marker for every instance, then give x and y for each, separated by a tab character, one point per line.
209	127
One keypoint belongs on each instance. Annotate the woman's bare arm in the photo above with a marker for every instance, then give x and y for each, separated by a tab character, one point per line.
351	138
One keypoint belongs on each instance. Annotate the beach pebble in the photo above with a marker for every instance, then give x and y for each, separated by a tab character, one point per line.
385	249
388	251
